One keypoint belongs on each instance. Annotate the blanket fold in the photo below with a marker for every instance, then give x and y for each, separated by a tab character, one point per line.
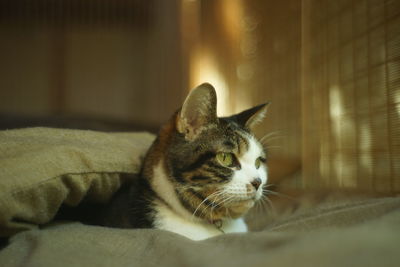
369	243
43	168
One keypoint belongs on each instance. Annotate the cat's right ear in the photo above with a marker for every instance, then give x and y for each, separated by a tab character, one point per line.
199	111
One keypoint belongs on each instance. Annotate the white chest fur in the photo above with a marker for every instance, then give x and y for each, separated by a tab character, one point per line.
179	220
167	219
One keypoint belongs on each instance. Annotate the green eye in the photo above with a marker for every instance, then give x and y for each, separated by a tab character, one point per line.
225	159
259	161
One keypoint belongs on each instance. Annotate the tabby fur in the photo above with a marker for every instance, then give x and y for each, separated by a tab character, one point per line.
183	187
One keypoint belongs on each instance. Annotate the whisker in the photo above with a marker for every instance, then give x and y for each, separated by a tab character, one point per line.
224	200
201	203
273	147
268	202
269	135
265	204
278	194
259	205
213	205
219	203
266	142
268	185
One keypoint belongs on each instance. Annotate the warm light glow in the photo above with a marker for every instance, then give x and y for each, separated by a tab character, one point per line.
249	46
341	123
205	64
231	11
245	72
336	112
365	148
204	69
335	102
397	101
243	101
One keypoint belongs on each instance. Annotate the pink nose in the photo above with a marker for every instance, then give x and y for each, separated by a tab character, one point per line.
256	183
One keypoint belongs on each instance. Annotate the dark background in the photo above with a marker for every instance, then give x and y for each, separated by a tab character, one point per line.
330	68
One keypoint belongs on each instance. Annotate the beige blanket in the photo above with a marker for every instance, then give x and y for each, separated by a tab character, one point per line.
42	168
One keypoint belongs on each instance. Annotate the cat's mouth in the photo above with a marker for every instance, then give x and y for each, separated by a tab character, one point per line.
232	207
244	200
239	207
247	197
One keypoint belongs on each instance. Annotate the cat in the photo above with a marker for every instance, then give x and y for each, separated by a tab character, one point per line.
200	176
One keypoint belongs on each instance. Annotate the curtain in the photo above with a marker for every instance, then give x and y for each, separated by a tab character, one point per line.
350	94
331	70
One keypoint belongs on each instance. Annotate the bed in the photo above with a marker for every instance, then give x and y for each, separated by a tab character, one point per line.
44	169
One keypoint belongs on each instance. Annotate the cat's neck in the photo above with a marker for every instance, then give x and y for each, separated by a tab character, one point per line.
162	185
155	170
157	152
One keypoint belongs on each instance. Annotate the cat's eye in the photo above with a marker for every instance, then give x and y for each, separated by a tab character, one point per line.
259	161
226	159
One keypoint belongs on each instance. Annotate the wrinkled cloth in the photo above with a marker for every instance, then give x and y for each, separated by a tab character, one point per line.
42	169
373	241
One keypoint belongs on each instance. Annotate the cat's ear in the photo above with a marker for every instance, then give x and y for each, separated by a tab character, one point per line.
199	111
250	117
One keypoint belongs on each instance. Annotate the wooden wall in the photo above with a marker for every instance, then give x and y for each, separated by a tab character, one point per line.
350	94
329	68
115	59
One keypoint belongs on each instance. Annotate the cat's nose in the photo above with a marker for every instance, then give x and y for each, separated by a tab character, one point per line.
256	183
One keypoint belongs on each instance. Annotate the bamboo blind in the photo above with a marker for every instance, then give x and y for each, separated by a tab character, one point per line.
351	94
331	69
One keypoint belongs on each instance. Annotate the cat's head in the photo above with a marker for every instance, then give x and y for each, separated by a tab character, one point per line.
216	164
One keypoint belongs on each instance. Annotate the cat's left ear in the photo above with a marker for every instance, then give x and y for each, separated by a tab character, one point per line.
252	116
199	111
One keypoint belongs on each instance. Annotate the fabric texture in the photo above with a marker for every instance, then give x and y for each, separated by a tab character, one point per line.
42	168
368	241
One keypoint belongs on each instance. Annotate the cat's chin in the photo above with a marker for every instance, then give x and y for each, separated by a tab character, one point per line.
239	208
233	210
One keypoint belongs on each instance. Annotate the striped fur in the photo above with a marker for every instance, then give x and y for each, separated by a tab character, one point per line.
186	189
